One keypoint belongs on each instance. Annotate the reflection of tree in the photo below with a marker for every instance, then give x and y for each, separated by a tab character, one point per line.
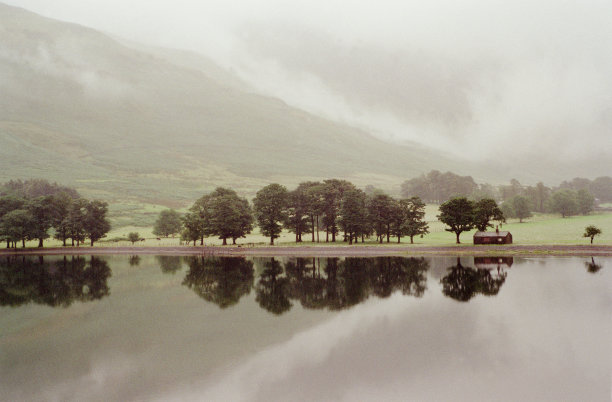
463	283
273	289
134	260
592	266
221	280
390	274
351	281
169	263
24	280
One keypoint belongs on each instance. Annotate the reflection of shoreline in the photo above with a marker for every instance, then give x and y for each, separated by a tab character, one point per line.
317	250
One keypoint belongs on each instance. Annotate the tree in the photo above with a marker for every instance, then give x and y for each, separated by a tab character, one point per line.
314	204
96	225
133	237
168	223
297	218
585	201
564	202
192	228
9	203
41	209
333	192
353	214
380	209
520	206
485	211
61	203
18	225
414	224
271	209
229	217
591	231
458	215
76	220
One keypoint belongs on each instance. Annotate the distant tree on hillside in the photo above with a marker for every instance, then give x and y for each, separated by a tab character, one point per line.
520	207
270	210
436	186
564	202
591	231
168	223
601	188
585	202
458	215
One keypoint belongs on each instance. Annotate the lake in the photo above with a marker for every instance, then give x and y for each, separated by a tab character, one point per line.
260	329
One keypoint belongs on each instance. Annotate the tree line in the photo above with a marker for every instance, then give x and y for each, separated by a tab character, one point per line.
576	196
335	207
36	210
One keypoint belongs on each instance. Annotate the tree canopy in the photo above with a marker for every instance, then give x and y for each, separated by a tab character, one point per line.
458	215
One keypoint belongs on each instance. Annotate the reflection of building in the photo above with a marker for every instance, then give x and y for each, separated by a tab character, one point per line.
496	237
493	262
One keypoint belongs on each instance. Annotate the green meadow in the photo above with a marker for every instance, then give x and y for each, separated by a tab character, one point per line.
541	229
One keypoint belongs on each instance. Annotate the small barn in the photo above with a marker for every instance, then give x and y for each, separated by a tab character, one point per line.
497	237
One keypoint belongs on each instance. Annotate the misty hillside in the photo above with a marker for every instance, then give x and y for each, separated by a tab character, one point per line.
81	108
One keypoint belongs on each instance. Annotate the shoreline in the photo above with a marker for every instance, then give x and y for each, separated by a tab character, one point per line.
324	251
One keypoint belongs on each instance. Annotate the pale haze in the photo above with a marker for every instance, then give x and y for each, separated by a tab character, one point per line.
479	79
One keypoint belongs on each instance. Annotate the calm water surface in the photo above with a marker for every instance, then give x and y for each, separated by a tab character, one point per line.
389	328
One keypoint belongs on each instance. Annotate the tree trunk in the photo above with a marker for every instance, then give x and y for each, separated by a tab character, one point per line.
350	239
333	236
457	233
40	242
317	228
313	227
72	240
23	243
8	243
201	241
92	242
225	241
592	239
398	239
363	238
233	240
411	240
271	241
326	235
64	242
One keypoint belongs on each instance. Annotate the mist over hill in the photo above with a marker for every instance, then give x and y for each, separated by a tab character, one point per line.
118	120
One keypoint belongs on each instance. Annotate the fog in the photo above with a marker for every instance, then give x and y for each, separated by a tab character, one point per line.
476	78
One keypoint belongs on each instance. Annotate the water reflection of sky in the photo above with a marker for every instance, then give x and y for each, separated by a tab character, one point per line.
544	336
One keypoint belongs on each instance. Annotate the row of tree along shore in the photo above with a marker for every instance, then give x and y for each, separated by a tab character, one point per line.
338	207
36	210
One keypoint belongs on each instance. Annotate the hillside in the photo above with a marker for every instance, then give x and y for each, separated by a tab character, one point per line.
79	107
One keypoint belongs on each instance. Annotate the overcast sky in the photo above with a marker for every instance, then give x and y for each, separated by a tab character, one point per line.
477	78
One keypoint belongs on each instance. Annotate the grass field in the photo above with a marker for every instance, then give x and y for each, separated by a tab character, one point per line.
541	229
